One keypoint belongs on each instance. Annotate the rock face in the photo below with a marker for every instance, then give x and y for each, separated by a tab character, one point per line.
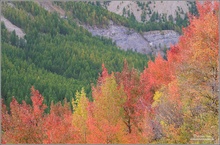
123	37
152	42
163	38
160	40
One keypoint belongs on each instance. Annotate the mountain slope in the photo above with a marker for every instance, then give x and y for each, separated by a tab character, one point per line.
59	44
126	33
10	27
54	49
168	8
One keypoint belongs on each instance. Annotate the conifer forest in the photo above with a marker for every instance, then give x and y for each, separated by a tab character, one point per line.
60	84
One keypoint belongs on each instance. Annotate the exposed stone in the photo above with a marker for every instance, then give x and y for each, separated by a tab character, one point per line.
161	39
152	42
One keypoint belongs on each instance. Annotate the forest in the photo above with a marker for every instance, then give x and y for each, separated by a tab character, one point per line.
56	55
92	13
85	90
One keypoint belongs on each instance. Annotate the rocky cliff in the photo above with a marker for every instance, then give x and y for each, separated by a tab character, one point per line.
152	42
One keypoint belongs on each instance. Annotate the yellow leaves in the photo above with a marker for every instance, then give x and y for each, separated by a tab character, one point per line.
163	123
80	105
156	98
205	78
108	111
108	100
79	98
80	114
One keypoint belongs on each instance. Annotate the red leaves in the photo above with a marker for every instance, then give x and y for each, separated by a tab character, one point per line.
207	7
194	63
58	126
37	100
24	123
103	75
158	74
122	110
29	124
130	82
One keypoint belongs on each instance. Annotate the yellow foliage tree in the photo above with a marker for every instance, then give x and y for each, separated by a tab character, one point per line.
80	115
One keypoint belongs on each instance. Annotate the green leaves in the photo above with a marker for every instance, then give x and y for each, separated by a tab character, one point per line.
167	103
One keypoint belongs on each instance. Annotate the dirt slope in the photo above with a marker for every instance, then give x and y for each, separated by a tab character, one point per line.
162	7
11	27
49	6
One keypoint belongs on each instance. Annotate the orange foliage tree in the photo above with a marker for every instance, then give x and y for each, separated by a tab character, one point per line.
29	124
24	123
194	61
106	114
168	102
58	126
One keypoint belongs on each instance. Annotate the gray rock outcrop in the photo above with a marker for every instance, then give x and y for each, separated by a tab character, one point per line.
152	42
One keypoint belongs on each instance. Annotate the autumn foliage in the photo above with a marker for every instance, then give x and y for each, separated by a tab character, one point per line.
169	102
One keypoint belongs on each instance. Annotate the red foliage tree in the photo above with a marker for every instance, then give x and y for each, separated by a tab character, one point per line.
58	126
24	123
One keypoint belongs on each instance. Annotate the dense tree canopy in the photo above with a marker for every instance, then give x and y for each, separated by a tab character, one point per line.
169	101
56	55
94	14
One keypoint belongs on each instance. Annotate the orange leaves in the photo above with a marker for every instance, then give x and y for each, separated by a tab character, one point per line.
195	61
158	74
95	135
199	48
29	124
130	82
58	127
174	94
103	75
200	39
169	98
189	74
24	123
107	110
37	100
207	7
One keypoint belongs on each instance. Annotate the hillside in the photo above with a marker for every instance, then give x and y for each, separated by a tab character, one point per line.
125	39
62	84
66	23
143	11
126	33
11	27
77	73
56	48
